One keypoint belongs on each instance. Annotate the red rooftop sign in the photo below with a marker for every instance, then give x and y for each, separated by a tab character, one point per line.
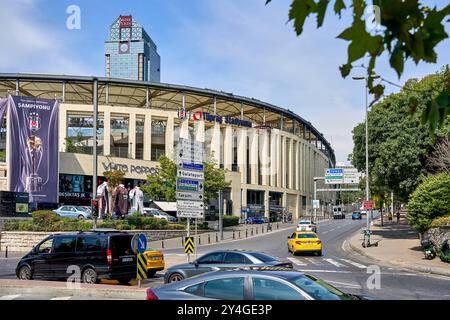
125	21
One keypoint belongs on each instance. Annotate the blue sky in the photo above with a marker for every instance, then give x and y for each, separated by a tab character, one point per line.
236	46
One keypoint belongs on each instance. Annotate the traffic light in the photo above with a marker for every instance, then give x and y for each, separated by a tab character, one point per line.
94	208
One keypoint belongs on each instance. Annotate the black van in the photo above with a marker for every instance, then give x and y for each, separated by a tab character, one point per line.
93	255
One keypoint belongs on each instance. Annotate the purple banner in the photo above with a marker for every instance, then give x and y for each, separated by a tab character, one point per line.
33	148
3	104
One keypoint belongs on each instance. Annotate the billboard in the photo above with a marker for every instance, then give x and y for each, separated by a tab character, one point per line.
33	147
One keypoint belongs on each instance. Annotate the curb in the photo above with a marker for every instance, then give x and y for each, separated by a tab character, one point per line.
83	291
406	266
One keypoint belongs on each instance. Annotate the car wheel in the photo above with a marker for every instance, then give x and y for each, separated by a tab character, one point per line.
89	276
24	273
80	217
124	281
175	277
151	273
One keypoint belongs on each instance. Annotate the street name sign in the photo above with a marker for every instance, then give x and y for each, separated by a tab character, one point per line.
189	213
186	174
189	196
334	176
189	204
190	165
189	185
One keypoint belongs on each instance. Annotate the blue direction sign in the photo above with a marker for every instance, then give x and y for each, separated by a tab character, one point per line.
189	185
190	166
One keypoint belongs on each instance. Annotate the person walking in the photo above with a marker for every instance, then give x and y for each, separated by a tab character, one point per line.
398	216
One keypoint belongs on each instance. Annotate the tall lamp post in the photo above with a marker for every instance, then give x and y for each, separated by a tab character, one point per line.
373	76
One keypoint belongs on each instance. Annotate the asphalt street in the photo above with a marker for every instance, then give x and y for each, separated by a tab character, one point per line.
339	265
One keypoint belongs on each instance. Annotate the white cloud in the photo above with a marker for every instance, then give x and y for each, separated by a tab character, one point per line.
31	47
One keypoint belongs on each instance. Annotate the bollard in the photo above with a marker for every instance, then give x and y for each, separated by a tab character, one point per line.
6	252
277	225
256	230
252	232
162	244
217	237
199	240
233	235
182	241
239	234
246	233
209	238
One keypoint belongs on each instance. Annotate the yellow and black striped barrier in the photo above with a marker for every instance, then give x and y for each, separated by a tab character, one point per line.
141	266
189	245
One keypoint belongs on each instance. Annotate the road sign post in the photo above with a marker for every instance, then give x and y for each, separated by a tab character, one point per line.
139	246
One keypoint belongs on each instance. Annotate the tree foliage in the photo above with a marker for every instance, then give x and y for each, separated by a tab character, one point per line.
406	30
163	184
430	200
399	143
114	177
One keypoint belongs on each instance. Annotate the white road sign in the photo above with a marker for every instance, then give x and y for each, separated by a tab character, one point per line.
190	213
351	176
199	175
189	195
190	143
196	157
189	204
316	204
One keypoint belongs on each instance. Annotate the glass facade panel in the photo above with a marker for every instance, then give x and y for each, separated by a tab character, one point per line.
120	136
139	138
158	147
80	133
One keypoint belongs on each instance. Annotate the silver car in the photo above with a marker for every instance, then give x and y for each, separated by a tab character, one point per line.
306	225
78	212
217	260
268	283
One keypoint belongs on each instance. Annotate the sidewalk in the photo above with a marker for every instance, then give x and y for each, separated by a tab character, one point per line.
398	245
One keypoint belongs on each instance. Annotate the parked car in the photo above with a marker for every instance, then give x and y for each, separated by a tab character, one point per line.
222	259
306	225
155	262
246	284
356	215
97	254
254	220
78	212
307	242
155	213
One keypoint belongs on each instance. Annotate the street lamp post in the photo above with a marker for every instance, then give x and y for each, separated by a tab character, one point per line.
367	141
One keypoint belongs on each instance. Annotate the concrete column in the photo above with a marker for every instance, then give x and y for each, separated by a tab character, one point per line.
273	158
283	165
216	143
254	156
291	164
169	137
132	135
107	131
297	166
228	148
265	158
199	130
299	207
62	128
147	137
242	154
279	164
244	197
184	129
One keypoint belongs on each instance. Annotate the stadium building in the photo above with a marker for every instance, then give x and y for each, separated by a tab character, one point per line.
270	154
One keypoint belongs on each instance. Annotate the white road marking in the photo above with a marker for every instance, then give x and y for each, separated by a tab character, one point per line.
312	261
329	271
343	245
10	297
332	229
61	298
296	261
324	232
334	262
348	285
356	264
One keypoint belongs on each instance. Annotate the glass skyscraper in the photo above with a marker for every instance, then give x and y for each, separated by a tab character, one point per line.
130	52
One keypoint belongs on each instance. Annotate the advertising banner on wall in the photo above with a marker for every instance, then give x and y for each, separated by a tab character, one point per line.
3	104
33	147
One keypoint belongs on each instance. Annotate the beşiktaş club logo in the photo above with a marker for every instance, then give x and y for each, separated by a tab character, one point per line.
183	114
35	121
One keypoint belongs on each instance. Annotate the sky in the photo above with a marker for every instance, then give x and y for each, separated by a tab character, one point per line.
244	47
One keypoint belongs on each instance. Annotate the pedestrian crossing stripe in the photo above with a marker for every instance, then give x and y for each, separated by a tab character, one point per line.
189	245
141	266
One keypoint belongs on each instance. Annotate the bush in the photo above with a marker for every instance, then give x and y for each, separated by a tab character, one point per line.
229	221
430	200
441	222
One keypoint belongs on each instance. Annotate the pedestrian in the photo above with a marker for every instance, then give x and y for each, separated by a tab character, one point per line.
398	216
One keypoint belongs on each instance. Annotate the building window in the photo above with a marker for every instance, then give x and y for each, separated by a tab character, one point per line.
108	65
234	165
80	133
120	137
141	66
139	138
158	147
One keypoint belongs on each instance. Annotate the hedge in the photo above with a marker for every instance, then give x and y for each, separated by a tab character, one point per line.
49	221
229	221
441	222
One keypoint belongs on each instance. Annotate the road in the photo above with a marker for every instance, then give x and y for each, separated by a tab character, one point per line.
338	265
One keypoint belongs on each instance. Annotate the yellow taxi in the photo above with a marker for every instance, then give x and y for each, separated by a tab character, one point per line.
155	262
304	241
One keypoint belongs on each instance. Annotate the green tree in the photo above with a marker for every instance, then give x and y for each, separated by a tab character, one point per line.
114	177
408	30
163	184
399	144
430	200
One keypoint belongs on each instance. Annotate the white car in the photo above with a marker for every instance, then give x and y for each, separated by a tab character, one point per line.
155	213
306	225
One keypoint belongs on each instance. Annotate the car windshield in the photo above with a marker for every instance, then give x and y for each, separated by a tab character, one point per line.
262	256
306	235
83	209
305	222
120	245
356	212
319	289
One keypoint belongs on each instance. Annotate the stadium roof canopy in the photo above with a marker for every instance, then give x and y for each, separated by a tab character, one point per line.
122	92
